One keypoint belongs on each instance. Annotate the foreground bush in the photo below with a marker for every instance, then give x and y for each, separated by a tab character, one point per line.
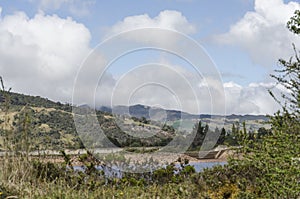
268	170
22	177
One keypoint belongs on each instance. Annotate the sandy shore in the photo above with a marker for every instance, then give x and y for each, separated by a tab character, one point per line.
160	158
138	158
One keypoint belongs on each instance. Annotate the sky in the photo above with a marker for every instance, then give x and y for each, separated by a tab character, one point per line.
55	48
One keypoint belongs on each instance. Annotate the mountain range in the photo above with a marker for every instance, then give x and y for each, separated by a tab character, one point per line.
147	112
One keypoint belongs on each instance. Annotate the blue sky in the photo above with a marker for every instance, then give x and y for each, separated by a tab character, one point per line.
244	38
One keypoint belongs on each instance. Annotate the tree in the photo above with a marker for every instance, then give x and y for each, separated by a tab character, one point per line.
200	133
270	168
262	131
294	24
288	76
222	136
232	137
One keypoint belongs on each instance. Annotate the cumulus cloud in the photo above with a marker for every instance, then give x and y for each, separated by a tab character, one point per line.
262	33
167	19
177	88
41	55
169	86
251	99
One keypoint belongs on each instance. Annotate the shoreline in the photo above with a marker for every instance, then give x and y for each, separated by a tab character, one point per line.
136	158
118	156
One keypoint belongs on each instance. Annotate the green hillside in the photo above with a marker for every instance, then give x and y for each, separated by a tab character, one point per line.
49	125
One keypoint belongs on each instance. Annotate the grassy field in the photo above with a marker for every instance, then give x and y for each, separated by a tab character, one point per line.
23	177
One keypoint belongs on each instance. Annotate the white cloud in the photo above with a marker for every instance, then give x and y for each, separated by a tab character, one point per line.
167	19
263	33
251	99
41	55
157	31
164	84
153	84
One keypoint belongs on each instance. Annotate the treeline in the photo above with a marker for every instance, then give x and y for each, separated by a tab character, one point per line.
17	99
220	136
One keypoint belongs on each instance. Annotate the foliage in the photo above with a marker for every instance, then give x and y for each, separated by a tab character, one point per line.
203	132
294	24
200	132
268	168
289	78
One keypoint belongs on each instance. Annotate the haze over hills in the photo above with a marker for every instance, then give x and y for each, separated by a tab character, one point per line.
147	112
186	121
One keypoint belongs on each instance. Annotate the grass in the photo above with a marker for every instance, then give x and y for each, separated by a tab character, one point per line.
23	177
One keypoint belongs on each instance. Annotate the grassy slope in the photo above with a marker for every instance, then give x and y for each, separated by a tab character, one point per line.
50	125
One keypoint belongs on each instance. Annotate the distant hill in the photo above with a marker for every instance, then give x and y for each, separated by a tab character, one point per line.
174	117
140	111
